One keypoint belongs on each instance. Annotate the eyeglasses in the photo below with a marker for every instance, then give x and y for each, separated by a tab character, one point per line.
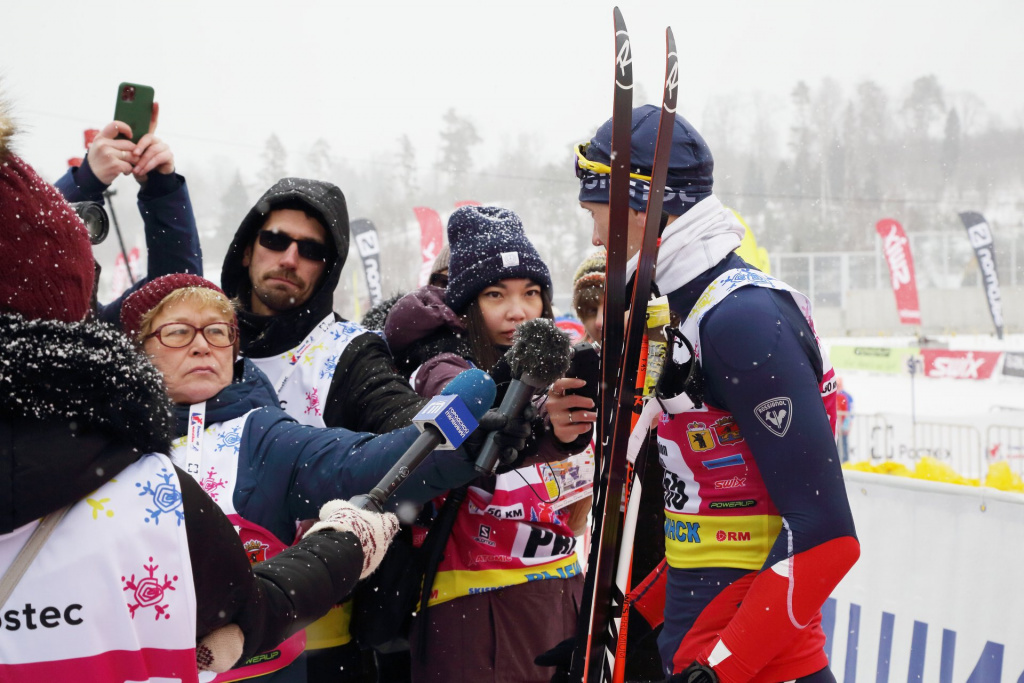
308	249
439	280
586	167
180	335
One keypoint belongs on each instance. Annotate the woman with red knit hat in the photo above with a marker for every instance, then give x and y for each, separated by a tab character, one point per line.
264	469
133	572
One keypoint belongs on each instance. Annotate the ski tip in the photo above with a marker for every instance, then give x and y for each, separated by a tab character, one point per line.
670	40
620	23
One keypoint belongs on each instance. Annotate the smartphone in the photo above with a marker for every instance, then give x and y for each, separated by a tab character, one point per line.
134	107
586	365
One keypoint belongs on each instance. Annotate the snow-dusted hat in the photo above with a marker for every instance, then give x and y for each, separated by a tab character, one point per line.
488	245
147	297
48	266
589	278
690	172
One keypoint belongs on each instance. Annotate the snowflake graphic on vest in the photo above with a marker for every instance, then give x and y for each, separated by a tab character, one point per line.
166	498
256	550
231	438
329	366
210	484
149	592
313	402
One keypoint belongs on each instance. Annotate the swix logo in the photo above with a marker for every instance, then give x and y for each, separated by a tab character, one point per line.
776	414
723	536
966	367
625	56
896	255
733	483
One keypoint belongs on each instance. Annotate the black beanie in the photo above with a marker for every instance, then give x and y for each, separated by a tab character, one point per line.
488	245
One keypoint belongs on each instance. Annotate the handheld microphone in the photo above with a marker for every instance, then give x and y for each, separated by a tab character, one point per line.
539	355
444	423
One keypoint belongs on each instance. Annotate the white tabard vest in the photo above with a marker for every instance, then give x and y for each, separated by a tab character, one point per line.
717	510
110	596
302	379
210	454
302	376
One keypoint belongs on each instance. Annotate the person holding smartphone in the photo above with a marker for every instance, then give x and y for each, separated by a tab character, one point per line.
172	239
134	572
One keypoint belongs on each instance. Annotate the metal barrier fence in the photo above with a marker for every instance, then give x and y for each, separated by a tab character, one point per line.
895	438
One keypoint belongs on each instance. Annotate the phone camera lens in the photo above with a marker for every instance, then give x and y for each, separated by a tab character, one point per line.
128	93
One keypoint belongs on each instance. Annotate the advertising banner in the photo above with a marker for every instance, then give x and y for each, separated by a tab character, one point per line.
431	239
890	360
1013	364
980	236
365	234
896	247
959	364
929	599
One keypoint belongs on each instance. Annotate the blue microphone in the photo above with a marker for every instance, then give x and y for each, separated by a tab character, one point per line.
444	423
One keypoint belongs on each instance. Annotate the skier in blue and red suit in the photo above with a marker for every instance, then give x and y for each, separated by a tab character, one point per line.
758	529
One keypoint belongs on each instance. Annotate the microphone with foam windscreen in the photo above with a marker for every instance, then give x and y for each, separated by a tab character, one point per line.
539	355
444	423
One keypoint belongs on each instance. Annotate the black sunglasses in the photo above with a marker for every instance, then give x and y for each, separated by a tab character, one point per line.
308	249
438	280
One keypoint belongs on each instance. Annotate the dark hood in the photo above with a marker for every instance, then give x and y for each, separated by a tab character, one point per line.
270	335
78	404
250	389
420	326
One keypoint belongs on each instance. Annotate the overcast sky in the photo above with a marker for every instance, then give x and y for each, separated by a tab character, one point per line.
227	74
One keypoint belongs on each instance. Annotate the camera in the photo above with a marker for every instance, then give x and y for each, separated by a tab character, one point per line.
95	218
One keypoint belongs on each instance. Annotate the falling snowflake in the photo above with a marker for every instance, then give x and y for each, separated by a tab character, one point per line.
149	592
166	498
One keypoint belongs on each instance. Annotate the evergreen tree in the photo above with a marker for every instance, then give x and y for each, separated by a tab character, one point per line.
275	159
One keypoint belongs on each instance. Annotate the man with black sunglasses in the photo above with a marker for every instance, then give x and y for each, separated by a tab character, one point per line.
282	268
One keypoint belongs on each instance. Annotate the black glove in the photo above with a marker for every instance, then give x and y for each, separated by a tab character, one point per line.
560	657
512	433
695	673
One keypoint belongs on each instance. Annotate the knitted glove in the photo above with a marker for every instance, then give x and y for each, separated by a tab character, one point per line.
218	651
373	530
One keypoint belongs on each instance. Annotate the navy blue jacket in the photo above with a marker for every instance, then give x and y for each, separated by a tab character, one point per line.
756	345
172	240
287	470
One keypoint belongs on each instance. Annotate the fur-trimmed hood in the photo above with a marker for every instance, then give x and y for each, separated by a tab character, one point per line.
78	403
